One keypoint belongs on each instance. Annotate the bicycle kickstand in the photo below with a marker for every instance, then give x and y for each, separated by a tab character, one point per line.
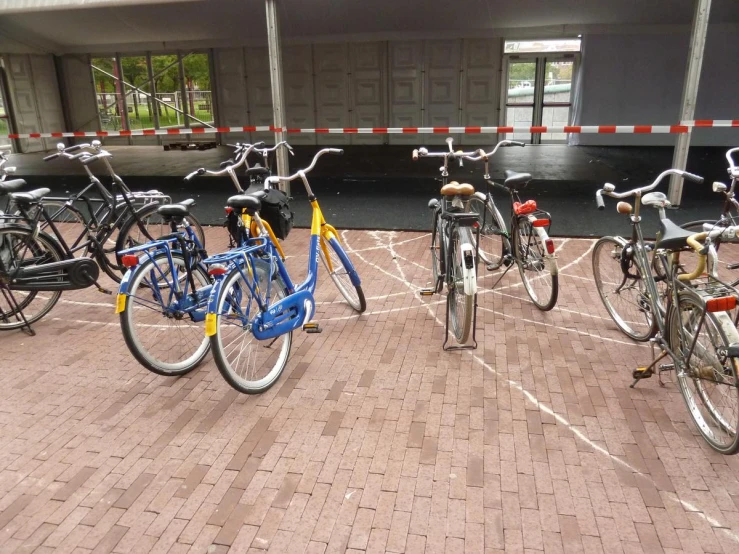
645	372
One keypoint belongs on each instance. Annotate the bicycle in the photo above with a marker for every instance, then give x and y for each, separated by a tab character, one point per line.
33	262
528	244
254	306
163	296
256	176
454	248
729	212
133	215
692	326
165	291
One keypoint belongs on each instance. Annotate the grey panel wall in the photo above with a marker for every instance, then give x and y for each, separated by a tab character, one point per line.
34	93
637	79
79	93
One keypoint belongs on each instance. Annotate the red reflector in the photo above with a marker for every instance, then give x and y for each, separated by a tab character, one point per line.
475	224
217	269
550	246
229	209
722	304
129	260
541	223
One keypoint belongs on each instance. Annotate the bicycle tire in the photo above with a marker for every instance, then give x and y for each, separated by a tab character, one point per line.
140	344
47	249
344	280
229	294
542	288
437	251
707	367
494	244
130	235
639	323
459	304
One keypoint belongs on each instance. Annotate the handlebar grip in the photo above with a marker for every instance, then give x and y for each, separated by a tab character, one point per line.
517	143
73	148
599	199
259	144
414	156
197	172
694	178
51	157
339	151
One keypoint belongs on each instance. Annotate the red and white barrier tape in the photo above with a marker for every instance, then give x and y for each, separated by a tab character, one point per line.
684	127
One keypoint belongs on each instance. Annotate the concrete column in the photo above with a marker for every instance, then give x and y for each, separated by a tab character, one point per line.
690	93
278	93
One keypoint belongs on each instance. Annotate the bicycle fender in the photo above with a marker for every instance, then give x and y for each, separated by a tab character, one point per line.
288	314
120	300
549	259
469	275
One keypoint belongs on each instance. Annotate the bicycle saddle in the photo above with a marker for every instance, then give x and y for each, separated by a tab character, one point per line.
257	170
672	236
656	199
455	189
250	202
181	209
29	197
11	186
513	179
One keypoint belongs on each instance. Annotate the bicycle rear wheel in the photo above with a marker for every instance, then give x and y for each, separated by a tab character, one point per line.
18	249
249	365
620	284
164	339
459	304
342	273
494	244
709	383
132	234
538	273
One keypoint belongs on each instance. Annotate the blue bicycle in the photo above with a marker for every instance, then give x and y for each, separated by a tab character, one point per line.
254	307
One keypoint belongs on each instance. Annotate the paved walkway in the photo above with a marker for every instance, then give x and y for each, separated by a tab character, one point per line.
374	439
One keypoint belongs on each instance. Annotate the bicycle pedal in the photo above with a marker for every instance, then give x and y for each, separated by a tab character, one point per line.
312	327
507	260
105	291
642	373
427	292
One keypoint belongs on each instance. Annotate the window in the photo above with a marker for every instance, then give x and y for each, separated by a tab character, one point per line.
538	87
148	92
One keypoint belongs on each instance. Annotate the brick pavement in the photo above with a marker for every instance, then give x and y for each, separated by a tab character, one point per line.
373	440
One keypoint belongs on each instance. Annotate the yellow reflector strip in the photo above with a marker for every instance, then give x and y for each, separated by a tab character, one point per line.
210	325
120	303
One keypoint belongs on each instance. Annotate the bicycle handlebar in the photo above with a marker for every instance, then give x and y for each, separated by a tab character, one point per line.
610	190
242	151
475	156
301	173
733	169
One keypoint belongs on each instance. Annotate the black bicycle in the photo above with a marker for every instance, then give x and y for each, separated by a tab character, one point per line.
98	227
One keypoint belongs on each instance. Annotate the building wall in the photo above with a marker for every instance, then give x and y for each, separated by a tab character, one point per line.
365	84
638	79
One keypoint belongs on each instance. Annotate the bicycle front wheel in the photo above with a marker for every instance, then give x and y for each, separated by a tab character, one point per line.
20	249
538	272
621	286
494	244
249	365
459	304
342	272
437	251
708	380
160	330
